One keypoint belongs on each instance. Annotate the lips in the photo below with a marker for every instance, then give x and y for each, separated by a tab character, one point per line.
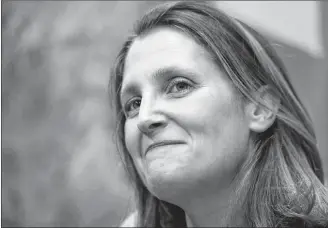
163	143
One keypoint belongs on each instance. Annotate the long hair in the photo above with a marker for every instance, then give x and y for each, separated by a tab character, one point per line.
281	180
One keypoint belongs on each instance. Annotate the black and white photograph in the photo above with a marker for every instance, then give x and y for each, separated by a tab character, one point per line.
164	114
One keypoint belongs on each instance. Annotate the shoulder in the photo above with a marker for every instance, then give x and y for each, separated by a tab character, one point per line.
130	221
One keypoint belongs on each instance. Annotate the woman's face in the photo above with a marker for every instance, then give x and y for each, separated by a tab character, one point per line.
185	127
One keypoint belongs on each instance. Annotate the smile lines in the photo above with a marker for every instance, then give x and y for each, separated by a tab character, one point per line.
163	143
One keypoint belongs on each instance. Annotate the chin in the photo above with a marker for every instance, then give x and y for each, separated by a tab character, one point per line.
176	183
169	183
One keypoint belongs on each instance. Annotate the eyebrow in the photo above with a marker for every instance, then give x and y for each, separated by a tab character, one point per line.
160	74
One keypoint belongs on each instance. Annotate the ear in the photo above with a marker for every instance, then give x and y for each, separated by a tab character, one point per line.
262	113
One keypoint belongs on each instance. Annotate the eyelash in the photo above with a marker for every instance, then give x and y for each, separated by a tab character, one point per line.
173	82
128	104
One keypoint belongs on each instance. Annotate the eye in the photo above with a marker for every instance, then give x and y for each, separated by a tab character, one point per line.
132	106
179	86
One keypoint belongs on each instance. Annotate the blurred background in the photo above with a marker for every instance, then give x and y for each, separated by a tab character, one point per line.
59	163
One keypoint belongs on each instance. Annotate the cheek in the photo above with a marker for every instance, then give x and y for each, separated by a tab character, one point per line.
226	122
131	137
227	125
229	138
214	117
132	143
220	134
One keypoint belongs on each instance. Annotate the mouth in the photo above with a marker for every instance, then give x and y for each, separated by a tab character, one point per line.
163	143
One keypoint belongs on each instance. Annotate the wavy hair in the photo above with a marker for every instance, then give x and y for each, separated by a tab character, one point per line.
281	181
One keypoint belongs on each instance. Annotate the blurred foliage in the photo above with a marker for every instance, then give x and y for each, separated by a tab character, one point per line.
59	162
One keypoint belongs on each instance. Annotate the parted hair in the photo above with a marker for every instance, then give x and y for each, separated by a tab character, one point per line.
281	180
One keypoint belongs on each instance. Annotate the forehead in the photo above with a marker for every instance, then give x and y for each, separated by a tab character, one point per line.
163	47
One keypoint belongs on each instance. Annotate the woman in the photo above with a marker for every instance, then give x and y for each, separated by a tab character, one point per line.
210	128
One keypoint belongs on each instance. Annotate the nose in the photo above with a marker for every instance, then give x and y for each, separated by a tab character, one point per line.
150	119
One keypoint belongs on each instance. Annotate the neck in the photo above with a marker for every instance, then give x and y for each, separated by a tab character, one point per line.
213	210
